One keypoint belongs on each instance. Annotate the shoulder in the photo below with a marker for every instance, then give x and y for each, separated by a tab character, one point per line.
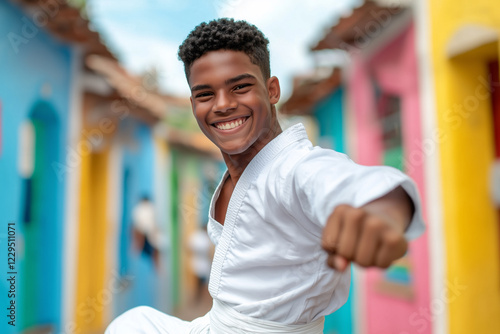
315	170
304	167
308	160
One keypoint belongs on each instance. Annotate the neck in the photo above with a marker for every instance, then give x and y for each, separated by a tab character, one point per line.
236	163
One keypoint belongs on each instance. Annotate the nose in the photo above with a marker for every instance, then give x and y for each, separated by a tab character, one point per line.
224	102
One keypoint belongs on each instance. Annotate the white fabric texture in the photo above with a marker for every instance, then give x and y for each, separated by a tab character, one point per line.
269	268
268	262
147	320
224	319
221	319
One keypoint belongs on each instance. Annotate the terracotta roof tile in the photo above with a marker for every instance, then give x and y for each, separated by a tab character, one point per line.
307	93
348	30
66	23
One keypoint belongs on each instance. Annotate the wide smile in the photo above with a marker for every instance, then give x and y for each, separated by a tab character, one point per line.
231	125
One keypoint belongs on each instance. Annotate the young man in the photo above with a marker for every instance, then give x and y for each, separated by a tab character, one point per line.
287	218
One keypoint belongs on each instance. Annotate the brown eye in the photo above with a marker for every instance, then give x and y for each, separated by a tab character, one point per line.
241	86
203	94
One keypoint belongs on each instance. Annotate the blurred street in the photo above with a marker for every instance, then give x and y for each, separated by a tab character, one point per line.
106	179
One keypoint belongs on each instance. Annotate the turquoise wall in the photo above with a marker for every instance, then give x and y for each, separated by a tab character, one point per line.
137	181
29	60
329	113
330	119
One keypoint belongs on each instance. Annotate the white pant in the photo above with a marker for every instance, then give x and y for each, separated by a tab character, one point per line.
221	319
147	320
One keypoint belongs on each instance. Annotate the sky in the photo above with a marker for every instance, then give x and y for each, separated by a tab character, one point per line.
147	33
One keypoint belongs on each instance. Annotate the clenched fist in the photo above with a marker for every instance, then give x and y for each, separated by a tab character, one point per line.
372	235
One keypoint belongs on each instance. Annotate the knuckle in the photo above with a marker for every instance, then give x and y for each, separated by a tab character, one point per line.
392	240
374	224
391	243
340	209
345	251
355	215
363	262
327	241
326	245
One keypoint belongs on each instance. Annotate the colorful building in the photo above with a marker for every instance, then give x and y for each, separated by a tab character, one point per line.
320	95
187	167
127	163
117	172
458	55
78	152
40	95
381	120
196	167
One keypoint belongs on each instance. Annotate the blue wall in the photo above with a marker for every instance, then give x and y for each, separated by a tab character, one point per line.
137	180
329	113
24	69
330	120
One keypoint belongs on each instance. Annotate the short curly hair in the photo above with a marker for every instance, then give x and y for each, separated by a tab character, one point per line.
226	34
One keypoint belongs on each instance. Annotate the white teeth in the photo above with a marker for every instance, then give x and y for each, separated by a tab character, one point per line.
229	126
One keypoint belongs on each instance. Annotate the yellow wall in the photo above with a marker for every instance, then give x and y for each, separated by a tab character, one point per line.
464	118
92	297
190	191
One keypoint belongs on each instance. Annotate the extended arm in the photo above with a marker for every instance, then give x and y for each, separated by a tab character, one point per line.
372	235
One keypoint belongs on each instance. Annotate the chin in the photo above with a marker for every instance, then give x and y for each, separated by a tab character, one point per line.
234	148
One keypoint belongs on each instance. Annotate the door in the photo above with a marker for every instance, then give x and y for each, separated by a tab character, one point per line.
41	279
494	69
93	294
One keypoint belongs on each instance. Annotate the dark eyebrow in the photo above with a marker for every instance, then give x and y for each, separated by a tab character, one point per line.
239	78
227	82
200	87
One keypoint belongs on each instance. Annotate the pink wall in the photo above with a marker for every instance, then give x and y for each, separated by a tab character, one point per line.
362	99
395	68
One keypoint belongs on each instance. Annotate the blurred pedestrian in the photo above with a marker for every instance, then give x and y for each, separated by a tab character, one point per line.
200	247
147	237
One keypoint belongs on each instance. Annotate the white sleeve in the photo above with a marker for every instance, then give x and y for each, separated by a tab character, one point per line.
323	179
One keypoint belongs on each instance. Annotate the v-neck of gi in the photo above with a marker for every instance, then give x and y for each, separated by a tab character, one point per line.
216	198
224	233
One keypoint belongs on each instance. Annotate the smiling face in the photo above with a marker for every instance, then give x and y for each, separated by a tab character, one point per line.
233	103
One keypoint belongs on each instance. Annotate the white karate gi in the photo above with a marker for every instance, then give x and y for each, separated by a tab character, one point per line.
269	266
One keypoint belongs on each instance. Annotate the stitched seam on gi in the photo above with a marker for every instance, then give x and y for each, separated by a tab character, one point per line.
253	169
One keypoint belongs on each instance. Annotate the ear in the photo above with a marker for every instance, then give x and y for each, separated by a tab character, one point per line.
273	89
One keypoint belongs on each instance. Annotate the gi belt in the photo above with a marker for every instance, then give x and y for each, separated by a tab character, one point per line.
224	320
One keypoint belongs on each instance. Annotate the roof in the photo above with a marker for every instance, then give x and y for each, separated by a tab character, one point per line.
151	106
358	26
128	86
308	91
66	23
195	142
69	24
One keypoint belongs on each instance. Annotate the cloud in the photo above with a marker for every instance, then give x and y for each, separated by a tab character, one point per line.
292	27
139	53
